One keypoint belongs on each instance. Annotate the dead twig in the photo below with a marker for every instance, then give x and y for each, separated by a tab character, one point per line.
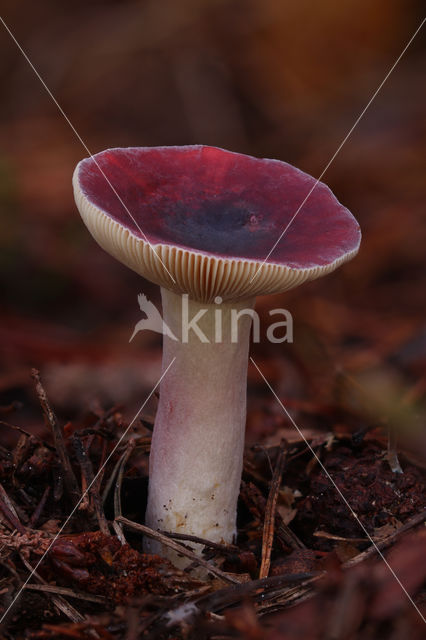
179	548
256	589
278	600
112	477
331	536
8	510
64	591
58	437
14	427
117	493
101	470
414	521
270	511
256	503
60	603
225	548
147	421
92	488
20	453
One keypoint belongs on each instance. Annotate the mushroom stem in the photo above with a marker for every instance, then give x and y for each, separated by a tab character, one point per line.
197	445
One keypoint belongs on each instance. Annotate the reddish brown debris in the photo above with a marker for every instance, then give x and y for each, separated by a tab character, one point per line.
101	565
375	493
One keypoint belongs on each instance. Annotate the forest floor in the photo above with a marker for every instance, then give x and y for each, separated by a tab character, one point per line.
331	542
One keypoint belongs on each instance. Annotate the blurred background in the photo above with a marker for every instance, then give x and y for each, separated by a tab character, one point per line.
271	78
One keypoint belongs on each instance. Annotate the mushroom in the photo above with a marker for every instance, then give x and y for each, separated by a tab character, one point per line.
199	221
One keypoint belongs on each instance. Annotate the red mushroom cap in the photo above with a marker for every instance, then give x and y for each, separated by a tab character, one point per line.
207	206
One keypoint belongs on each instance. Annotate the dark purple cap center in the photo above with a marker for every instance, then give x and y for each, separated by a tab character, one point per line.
221	203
